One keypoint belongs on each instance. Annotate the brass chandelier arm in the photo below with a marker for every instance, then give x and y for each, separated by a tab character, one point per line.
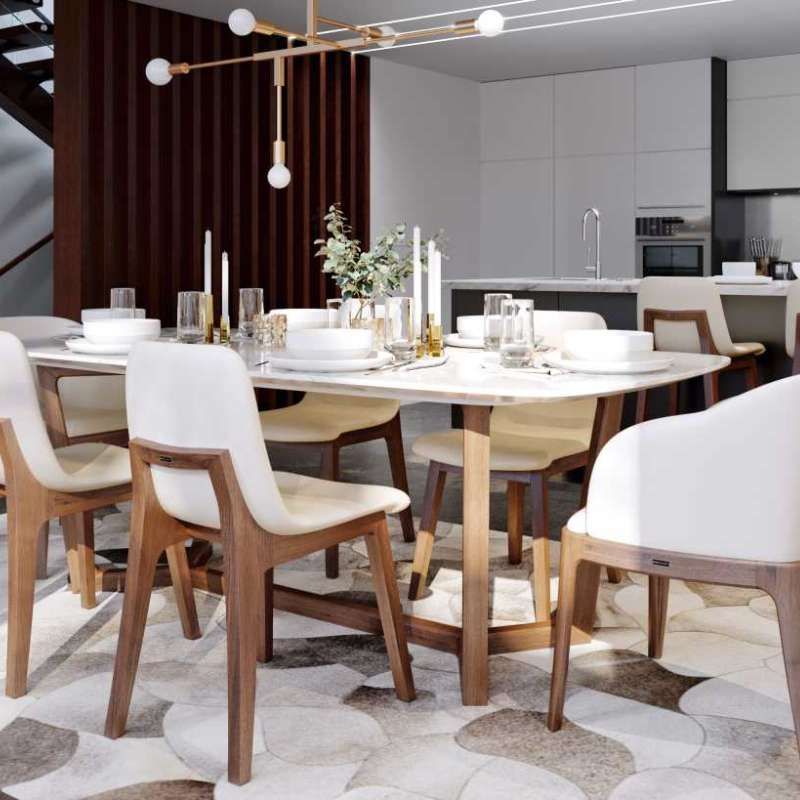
364	30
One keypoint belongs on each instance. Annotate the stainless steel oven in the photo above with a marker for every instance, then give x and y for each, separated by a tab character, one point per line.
673	246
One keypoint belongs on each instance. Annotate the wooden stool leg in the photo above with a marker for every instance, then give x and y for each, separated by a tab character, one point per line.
42	551
658	592
184	592
751	374
382	564
641	406
672	399
330	471
541	547
79	531
427	529
397	462
787	601
69	532
265	644
563	633
515	516
23	535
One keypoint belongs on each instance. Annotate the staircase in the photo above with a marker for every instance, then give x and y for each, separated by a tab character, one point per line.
26	64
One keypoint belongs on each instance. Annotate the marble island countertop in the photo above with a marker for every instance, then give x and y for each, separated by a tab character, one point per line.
606	285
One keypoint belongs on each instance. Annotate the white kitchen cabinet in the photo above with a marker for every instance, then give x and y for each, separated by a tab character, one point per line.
673	106
680	178
517	119
605	182
763	77
517	218
594	112
763	148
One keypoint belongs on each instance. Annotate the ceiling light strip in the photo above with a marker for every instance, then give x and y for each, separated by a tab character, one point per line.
585	7
565	23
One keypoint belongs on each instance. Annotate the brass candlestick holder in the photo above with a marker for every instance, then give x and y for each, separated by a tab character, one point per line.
209	319
224	330
435	345
419	344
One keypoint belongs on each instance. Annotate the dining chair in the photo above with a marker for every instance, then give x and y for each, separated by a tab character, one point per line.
40	483
685	315
201	470
660	504
792	328
529	443
79	406
327	423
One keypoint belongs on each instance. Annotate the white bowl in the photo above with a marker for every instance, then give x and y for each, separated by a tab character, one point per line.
91	314
300	319
599	345
470	327
739	269
329	343
796	268
121	331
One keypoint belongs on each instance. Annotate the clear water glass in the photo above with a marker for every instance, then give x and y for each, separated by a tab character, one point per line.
191	317
336	310
123	303
517	337
251	304
399	328
492	319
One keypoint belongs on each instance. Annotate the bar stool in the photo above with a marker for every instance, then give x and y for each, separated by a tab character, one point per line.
529	443
660	504
686	316
792	312
328	423
201	471
79	407
40	483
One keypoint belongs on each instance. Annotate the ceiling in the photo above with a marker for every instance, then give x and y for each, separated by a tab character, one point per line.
732	30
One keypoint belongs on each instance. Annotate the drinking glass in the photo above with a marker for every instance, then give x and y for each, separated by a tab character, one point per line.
399	329
516	340
123	303
492	319
335	311
191	317
251	303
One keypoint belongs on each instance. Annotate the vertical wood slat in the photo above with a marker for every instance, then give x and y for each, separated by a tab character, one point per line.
142	171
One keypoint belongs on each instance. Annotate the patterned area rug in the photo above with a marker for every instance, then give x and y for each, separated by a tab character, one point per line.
710	720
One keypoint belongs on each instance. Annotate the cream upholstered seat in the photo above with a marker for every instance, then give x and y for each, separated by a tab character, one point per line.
528	443
693	497
792	310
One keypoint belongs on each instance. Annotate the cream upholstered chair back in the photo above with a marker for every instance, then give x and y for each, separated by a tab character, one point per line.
200	396
792	310
573	419
19	402
723	482
38	329
684	294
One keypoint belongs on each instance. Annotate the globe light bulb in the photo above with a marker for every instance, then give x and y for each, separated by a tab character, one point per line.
279	176
490	23
391	34
242	22
157	72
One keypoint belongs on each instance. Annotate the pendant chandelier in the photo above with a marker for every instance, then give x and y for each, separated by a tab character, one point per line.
242	22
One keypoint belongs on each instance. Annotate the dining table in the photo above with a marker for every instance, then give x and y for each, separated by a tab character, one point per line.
468	380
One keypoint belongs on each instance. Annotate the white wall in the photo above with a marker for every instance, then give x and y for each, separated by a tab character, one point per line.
425	158
26	215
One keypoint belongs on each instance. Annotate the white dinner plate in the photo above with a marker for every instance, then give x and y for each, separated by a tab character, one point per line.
457	340
644	362
85	347
743	280
327	365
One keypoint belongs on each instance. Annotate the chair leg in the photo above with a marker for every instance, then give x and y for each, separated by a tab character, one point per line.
265	644
397	462
541	547
427	529
614	575
515	516
563	633
751	377
641	406
42	552
71	550
658	598
184	592
23	537
330	471
391	612
79	531
711	389
787	601
672	399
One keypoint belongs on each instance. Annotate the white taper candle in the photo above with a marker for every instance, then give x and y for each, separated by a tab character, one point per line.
417	282
431	277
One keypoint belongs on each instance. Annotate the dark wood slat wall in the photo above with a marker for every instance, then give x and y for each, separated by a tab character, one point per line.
142	171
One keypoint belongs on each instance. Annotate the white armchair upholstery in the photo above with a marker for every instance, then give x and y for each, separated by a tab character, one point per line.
792	310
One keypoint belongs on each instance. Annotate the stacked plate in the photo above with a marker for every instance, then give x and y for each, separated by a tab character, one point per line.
329	350
114	336
608	353
470	333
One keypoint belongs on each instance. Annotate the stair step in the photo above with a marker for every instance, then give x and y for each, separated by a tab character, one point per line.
20	37
13	6
40	71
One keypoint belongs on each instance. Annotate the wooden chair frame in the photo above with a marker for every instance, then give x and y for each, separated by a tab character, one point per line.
748	364
250	556
392	432
30	507
580	553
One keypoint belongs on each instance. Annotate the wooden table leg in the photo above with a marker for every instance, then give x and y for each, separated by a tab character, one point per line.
608	420
475	587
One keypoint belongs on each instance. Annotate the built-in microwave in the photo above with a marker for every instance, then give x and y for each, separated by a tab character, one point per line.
673	246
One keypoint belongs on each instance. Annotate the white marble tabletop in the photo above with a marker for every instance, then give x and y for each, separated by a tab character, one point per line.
462	380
